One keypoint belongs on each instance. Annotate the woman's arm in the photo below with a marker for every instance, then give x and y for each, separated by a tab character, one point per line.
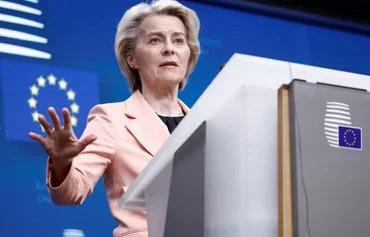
73	184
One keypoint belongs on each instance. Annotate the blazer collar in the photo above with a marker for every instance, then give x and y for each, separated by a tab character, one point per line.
144	123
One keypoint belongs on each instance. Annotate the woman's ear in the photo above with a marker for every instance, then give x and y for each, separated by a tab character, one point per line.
131	60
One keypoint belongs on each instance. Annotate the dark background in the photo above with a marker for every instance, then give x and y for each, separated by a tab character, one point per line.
350	15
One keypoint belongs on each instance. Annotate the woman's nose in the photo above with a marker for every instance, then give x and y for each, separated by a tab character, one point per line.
168	49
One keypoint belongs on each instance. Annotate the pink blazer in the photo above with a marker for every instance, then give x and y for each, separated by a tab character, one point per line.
129	134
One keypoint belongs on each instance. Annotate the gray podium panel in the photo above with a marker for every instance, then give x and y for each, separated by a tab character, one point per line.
330	160
187	189
179	188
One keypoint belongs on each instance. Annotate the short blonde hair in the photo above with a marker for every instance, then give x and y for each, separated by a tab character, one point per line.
127	34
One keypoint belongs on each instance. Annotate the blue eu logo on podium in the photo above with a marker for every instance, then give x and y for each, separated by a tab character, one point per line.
350	137
339	131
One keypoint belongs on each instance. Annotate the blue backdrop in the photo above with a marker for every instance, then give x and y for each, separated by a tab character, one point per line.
80	70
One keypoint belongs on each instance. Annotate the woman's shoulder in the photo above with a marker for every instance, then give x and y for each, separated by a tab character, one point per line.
108	107
107	110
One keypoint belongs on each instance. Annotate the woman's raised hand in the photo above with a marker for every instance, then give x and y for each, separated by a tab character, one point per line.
61	144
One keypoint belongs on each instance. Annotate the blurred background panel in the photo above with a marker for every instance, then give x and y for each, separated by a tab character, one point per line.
355	11
61	53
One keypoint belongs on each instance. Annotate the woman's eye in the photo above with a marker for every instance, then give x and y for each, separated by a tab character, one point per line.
154	41
179	41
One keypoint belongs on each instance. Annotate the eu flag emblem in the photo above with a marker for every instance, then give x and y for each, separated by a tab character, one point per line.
28	90
350	137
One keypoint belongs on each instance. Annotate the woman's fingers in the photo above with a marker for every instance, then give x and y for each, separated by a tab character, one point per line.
44	123
66	118
37	137
54	118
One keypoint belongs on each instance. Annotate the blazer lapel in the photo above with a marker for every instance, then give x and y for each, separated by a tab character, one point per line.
144	124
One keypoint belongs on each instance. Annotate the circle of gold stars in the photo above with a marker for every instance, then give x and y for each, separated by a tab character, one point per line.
51	80
354	137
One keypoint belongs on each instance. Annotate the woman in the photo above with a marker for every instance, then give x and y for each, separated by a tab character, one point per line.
157	47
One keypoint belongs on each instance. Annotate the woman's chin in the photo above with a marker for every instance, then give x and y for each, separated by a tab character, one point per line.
170	81
172	78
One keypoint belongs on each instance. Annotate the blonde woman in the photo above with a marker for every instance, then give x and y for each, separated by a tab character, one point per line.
157	48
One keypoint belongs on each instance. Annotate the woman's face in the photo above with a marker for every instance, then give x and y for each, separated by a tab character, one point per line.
162	53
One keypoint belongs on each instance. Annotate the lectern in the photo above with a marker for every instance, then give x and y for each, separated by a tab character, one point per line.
217	174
